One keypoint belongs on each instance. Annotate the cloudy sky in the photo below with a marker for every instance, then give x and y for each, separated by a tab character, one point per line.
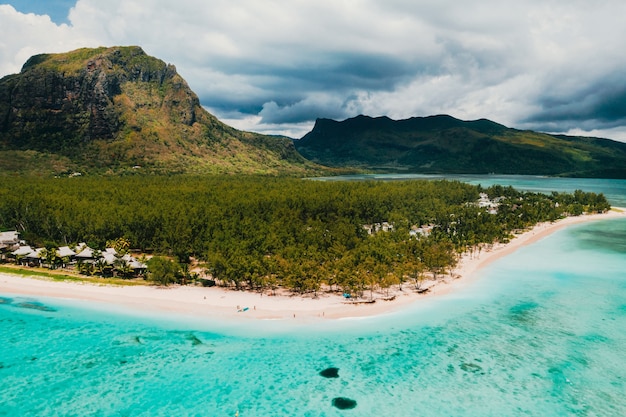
274	66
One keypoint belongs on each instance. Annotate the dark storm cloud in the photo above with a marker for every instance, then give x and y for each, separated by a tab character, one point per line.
302	111
325	87
601	105
346	69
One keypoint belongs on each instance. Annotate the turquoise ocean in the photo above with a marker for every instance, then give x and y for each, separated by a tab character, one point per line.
541	332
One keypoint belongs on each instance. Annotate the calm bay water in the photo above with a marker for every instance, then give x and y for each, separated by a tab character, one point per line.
541	332
614	190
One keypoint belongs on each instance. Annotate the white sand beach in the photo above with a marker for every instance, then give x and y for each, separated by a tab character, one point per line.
214	303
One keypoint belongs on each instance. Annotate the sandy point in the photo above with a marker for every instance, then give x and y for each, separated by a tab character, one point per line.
215	303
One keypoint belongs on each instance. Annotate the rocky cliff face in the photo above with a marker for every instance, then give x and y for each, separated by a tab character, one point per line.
111	108
53	94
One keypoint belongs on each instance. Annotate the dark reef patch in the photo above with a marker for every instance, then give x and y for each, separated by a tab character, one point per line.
194	339
32	305
330	373
4	300
524	313
471	367
344	403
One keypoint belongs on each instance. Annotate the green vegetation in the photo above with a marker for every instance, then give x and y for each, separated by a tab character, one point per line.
263	233
163	271
443	144
119	111
31	272
56	276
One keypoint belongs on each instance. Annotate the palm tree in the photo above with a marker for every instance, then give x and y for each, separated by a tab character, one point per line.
185	274
19	259
101	266
121	245
49	255
123	267
65	261
80	266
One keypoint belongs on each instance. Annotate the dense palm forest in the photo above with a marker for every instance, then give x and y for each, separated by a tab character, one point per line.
262	233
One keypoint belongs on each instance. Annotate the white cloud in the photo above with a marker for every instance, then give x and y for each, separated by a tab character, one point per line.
279	64
256	124
24	35
618	133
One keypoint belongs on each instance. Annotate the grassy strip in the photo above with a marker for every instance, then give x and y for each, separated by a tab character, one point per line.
60	276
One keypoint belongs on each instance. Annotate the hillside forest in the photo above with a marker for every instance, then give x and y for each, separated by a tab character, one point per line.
261	233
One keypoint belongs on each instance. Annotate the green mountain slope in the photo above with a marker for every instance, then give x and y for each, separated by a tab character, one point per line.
117	110
443	144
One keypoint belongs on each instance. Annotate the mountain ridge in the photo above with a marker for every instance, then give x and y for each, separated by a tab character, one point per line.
118	110
443	144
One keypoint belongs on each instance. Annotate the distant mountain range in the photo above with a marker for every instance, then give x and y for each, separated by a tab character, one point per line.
443	144
117	110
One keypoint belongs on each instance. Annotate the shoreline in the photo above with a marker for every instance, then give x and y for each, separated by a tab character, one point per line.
219	303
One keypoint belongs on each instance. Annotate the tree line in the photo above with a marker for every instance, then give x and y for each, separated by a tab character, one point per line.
268	232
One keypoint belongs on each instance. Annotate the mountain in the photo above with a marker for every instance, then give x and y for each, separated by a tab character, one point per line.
443	144
118	110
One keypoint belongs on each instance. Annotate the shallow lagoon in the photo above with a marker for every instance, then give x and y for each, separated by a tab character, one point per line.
539	333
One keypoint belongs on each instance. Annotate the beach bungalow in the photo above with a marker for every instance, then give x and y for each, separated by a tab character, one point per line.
109	255
490	205
65	252
125	265
88	260
35	257
85	253
377	227
66	255
22	251
19	253
135	265
9	241
422	231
